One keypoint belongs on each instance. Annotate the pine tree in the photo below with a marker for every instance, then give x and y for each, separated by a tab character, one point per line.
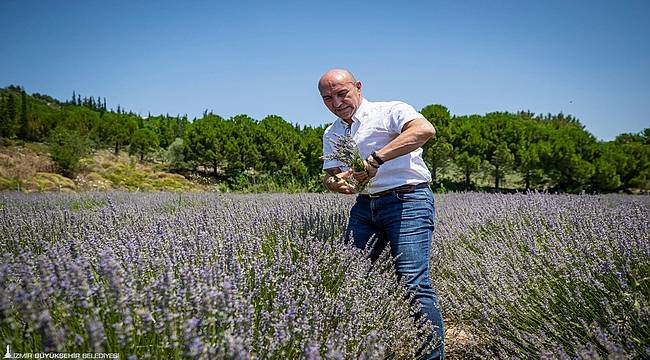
78	100
74	98
23	130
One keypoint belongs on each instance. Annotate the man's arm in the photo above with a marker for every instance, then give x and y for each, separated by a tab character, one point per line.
415	133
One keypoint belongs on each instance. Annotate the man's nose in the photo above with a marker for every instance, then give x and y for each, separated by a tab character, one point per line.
336	102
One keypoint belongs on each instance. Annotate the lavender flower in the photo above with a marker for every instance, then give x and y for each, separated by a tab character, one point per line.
251	276
345	150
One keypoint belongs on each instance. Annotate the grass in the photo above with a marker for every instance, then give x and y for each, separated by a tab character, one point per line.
49	182
481	179
28	167
106	170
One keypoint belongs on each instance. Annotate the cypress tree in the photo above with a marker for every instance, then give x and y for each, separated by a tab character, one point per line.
74	98
11	108
3	116
10	116
23	131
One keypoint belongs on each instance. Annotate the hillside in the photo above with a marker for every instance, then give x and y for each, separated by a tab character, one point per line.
29	167
499	151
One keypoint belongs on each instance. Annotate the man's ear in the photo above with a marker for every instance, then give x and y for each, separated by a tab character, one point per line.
358	85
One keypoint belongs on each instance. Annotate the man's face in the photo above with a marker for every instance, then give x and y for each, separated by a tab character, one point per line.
341	95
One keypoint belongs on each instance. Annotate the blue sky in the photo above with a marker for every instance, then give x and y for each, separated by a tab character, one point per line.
590	59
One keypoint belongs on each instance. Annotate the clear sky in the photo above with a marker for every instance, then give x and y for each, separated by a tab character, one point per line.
590	59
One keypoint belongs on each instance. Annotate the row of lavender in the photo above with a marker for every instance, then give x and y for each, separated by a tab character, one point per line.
212	276
194	276
546	276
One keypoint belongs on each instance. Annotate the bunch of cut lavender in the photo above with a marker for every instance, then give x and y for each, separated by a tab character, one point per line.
347	152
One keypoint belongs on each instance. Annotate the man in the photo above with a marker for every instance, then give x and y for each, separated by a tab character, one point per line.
397	205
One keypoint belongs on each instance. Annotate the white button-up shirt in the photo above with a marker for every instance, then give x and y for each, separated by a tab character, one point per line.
374	125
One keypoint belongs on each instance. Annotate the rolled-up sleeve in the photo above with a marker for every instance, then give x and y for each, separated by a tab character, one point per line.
400	114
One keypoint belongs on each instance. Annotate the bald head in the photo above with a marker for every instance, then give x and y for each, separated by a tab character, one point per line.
335	76
341	93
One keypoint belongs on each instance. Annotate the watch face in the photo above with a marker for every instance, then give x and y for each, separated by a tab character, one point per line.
376	157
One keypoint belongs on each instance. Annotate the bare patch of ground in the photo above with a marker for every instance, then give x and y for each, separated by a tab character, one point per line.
461	342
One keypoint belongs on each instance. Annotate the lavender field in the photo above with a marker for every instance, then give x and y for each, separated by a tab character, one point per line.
168	275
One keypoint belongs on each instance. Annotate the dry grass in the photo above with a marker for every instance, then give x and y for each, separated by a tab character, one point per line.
22	163
49	182
460	342
105	170
22	168
30	168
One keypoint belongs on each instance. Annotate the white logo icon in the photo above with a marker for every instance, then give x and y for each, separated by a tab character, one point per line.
8	354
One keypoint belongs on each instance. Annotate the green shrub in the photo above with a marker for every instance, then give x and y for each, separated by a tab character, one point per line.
67	148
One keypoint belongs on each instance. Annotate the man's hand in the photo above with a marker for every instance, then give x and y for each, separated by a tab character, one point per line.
338	184
368	173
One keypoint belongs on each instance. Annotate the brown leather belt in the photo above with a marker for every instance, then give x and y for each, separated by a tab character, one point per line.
404	189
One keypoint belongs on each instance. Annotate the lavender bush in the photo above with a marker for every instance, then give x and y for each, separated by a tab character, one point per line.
195	276
546	276
345	150
161	275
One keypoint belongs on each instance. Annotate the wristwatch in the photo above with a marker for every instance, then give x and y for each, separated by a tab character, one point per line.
371	160
377	158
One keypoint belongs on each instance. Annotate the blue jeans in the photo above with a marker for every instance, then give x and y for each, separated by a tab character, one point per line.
406	222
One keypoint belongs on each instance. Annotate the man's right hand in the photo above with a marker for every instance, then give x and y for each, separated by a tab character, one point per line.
338	184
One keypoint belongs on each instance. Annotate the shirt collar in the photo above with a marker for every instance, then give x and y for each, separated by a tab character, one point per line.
361	112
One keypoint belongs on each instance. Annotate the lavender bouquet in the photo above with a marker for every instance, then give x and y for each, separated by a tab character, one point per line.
347	152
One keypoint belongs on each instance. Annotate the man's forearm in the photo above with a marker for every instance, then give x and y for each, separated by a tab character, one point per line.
415	134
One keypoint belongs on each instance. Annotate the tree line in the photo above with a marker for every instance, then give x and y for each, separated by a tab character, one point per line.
545	152
551	152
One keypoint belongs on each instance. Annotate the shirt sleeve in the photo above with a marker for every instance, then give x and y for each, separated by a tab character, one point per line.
327	149
400	114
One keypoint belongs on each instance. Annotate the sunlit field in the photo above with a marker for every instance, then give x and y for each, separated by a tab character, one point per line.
169	275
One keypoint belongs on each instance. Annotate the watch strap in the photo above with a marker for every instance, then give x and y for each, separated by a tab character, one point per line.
377	158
